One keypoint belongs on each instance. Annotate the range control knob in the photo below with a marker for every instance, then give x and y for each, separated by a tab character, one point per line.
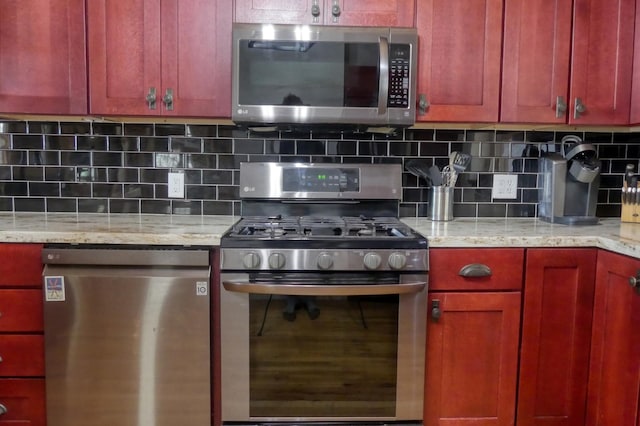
251	260
372	260
324	261
277	261
397	261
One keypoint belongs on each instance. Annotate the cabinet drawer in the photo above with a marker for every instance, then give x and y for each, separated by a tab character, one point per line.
21	310
475	269
24	402
21	355
21	265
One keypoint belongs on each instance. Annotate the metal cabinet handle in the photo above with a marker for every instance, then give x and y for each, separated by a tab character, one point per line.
561	107
578	108
436	312
1	359
634	282
168	99
151	98
423	104
335	9
475	270
315	10
3	409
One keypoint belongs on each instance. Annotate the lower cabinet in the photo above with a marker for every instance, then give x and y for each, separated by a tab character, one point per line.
472	336
614	372
556	336
22	388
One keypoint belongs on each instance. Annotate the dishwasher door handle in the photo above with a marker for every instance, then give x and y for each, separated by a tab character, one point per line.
322	290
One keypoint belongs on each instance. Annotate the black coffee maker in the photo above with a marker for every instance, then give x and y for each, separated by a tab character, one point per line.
568	184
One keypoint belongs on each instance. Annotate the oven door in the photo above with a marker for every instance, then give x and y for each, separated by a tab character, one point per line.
322	352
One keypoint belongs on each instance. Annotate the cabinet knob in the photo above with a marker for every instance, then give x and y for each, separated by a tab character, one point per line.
436	312
315	10
151	98
3	409
335	10
578	108
634	282
423	104
168	99
561	107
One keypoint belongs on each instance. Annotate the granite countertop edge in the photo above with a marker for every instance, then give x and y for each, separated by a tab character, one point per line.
130	229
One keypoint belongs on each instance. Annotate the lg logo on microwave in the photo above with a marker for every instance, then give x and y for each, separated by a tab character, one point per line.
249	189
241	111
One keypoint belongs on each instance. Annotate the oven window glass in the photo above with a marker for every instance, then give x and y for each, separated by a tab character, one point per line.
329	74
323	356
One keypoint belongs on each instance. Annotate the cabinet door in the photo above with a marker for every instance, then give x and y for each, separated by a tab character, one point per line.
535	64
614	381
124	56
472	359
373	13
460	55
196	57
276	11
21	265
42	57
601	62
635	95
386	13
24	402
556	336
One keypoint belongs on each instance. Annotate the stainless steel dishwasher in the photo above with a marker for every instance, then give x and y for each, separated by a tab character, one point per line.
127	336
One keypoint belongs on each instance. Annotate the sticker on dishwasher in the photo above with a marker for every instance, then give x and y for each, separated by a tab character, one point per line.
202	288
54	289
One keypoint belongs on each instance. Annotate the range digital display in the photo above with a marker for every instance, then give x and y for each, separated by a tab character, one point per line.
321	180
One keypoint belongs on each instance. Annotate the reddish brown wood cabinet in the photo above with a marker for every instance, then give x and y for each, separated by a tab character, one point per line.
635	95
472	336
42	57
152	57
556	336
460	54
22	399
567	61
388	13
614	380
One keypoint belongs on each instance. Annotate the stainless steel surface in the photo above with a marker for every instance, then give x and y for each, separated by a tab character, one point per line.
151	98
303	259
377	181
441	203
127	342
384	76
235	356
561	107
323	290
309	114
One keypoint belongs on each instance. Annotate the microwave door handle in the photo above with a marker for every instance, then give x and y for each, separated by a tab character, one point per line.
322	290
384	76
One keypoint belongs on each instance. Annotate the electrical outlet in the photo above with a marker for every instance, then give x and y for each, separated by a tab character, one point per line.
505	186
176	185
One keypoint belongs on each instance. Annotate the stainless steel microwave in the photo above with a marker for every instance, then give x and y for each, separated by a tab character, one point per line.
306	74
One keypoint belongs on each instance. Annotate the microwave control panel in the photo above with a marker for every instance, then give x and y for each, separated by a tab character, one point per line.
399	58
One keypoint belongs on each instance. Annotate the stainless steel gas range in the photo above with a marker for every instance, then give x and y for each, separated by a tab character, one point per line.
322	299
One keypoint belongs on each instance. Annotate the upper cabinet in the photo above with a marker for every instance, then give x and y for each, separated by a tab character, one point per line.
635	95
567	61
459	54
42	57
388	13
153	57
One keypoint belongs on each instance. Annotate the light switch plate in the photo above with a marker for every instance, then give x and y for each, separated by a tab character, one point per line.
176	185
505	187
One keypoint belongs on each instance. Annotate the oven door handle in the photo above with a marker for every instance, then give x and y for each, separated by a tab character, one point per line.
322	290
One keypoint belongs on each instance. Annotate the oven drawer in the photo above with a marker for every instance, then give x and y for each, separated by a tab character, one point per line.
21	355
476	269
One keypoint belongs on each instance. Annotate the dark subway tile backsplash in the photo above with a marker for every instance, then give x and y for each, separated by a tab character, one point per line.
108	167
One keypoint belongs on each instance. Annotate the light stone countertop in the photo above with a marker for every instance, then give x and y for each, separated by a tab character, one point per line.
92	228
